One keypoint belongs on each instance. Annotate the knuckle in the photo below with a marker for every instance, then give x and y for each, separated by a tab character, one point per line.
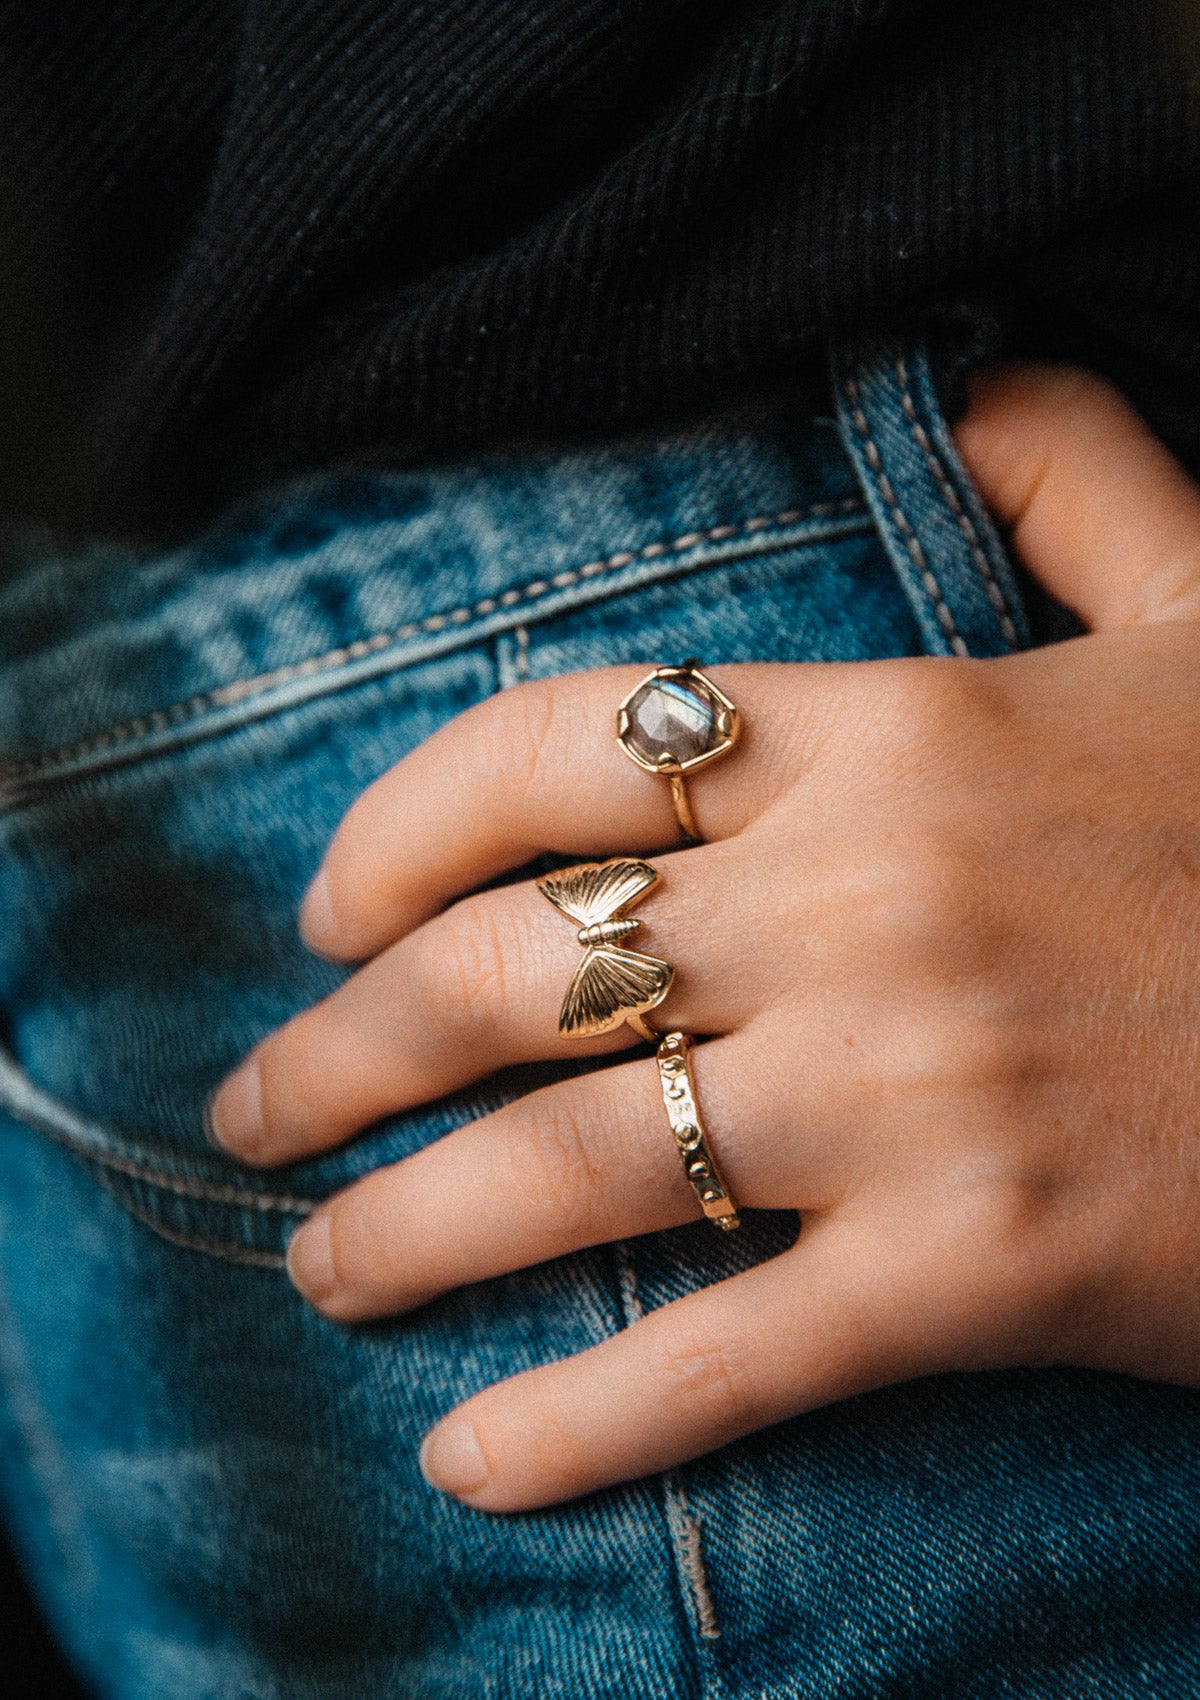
720	1374
555	1172
1040	1280
530	715
987	1052
464	968
945	1054
925	901
549	1431
934	711
937	891
979	1066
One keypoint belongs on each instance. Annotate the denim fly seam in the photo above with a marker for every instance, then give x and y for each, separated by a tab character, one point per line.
940	538
687	1534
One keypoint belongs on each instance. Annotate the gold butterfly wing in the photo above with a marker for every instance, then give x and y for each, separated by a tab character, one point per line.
595	891
609	985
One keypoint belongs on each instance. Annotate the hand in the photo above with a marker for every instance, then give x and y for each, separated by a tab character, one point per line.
946	934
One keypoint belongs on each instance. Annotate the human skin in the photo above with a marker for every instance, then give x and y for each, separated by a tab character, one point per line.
945	934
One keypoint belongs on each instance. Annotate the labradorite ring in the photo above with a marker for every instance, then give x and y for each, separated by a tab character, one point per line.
673	722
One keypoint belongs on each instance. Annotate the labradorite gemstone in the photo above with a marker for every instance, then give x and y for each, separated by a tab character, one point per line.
672	717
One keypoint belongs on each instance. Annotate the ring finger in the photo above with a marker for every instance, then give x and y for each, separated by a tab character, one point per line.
573	1165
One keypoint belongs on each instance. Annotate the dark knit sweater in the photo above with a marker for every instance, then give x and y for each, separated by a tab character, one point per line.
245	238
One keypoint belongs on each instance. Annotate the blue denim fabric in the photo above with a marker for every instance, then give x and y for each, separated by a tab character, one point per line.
215	1489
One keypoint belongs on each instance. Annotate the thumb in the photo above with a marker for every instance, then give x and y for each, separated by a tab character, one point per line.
1104	517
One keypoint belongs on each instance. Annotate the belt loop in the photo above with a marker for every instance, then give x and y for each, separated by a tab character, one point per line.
942	543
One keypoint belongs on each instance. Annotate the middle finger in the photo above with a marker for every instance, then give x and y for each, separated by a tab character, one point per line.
477	989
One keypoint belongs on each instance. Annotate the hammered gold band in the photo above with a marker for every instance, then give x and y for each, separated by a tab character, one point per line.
699	1164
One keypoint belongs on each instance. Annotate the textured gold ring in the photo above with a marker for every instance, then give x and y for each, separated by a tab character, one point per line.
611	985
675	721
699	1164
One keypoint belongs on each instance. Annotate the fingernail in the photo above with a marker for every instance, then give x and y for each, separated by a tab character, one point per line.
318	928
310	1259
234	1121
452	1459
206	1122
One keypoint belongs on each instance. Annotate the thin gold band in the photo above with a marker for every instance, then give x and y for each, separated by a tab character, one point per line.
699	1164
683	809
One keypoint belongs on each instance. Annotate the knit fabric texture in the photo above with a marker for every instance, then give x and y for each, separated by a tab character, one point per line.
241	239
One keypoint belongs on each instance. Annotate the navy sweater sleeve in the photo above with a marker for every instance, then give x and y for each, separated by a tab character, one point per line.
245	238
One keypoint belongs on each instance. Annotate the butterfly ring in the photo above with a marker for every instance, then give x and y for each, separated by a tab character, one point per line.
611	985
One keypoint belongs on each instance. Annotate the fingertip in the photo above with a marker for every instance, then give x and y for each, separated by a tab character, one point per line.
319	927
310	1264
452	1460
1015	421
319	1275
1101	513
207	1125
233	1115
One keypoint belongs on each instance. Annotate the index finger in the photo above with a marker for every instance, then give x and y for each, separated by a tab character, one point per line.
537	769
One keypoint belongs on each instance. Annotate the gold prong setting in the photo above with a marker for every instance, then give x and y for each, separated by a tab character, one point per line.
676	720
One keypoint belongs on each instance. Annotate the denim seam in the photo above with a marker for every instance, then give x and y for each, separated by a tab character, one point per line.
40	1117
693	1563
961	518
912	543
229	1250
247	690
209	1194
683	1524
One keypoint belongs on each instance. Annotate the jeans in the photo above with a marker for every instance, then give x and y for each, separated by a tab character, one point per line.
215	1490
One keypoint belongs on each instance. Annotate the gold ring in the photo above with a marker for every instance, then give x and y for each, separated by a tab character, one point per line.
675	721
699	1164
611	985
